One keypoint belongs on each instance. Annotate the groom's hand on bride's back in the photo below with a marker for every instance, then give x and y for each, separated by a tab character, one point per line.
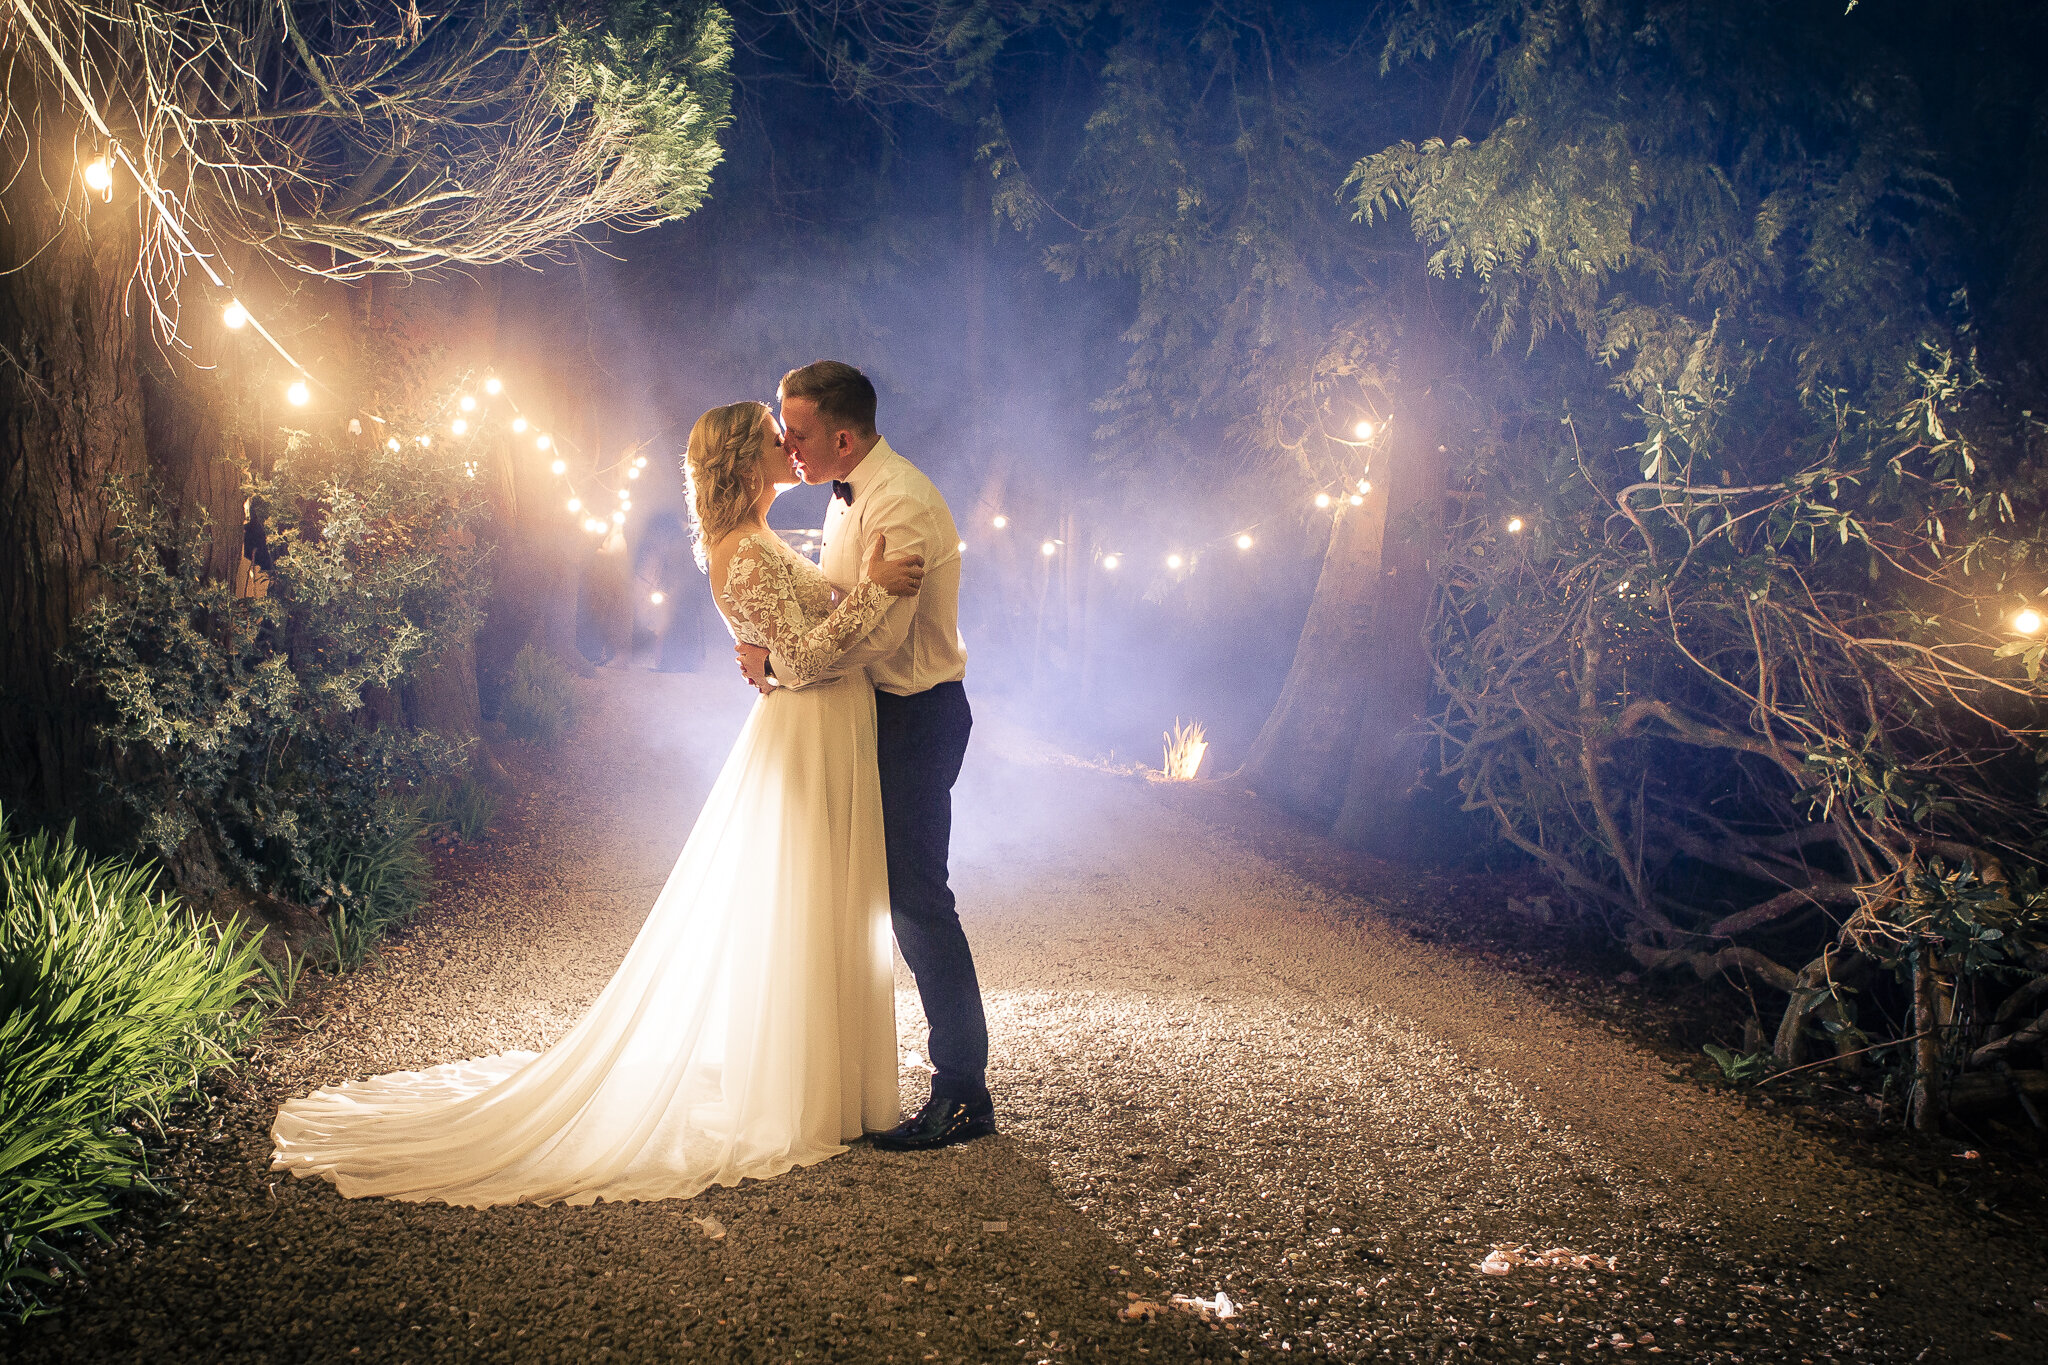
754	666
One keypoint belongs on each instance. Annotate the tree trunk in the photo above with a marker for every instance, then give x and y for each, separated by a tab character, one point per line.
1302	756
1379	812
71	420
1344	742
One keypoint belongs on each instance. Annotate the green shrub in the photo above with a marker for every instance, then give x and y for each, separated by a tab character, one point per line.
540	700
113	1000
373	880
262	727
464	809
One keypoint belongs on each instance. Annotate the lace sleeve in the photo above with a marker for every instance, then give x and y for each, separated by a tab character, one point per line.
762	590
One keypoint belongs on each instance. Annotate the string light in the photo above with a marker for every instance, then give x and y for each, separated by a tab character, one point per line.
640	462
961	547
298	395
593	524
1048	549
1363	430
99	177
518	424
1322	500
618	518
1244	542
425	441
468	403
1514	525
657	597
633	472
494	386
559	467
1000	521
392	445
623	495
234	316
1174	561
574	504
1110	562
543	441
2027	622
1357	500
1365	485
458	426
627	505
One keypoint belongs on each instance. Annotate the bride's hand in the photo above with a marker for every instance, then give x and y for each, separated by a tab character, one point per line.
898	577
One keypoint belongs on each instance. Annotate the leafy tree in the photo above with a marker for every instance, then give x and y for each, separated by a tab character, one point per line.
332	142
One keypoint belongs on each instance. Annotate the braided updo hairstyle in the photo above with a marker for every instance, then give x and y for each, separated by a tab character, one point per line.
722	470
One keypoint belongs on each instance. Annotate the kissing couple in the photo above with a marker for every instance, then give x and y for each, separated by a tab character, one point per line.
752	1026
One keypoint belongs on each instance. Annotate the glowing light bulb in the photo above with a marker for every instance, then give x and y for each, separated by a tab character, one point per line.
1174	561
470	470
494	386
1048	549
622	495
640	462
634	472
1514	525
1000	522
1110	562
425	441
298	395
2027	622
458	426
1365	485
518	424
961	547
627	504
618	518
574	504
1357	500
1364	431
543	441
559	467
1244	542
468	403
594	525
657	597
392	445
1322	500
99	176
234	315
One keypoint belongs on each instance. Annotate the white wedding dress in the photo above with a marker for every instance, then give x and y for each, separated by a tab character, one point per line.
750	1028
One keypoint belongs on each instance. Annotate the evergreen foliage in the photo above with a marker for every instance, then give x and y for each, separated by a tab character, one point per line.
266	729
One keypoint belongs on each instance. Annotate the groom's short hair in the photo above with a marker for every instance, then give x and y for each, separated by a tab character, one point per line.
845	398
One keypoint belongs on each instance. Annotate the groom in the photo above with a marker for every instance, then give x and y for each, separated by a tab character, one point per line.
916	660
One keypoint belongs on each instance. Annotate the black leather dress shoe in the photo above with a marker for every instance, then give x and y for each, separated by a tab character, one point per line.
941	1123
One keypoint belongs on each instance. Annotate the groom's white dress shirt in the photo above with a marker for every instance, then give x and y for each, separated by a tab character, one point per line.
917	646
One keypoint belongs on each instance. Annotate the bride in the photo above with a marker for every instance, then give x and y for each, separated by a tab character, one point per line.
751	1027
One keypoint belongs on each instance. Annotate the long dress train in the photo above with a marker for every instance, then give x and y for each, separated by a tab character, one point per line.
751	1026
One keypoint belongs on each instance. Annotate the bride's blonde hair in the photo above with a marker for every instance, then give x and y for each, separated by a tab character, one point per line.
722	470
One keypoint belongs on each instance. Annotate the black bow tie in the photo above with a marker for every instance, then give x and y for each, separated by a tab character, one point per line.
843	491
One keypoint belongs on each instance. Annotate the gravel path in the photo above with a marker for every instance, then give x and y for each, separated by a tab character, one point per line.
1213	1075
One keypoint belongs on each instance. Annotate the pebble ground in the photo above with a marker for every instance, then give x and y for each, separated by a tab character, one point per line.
1215	1072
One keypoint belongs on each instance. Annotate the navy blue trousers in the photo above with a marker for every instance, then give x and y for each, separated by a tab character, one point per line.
920	741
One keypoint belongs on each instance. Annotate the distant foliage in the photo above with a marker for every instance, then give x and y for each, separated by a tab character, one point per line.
114	1001
266	729
539	703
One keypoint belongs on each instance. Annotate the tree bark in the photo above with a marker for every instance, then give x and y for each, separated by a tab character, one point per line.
1343	743
71	422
